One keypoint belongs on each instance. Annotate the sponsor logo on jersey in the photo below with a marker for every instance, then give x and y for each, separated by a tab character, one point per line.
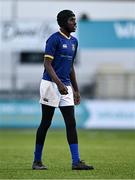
64	46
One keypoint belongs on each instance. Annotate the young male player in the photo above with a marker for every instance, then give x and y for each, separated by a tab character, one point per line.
59	89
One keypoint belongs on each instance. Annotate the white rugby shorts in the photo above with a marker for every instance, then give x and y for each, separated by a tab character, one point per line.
50	95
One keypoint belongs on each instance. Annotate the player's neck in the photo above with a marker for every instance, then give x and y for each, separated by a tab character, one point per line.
65	32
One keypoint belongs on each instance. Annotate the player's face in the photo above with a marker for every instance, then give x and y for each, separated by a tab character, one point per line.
72	24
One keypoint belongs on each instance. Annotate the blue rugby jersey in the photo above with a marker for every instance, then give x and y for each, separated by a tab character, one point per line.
62	51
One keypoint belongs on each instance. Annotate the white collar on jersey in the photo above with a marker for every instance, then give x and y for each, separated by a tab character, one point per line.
64	35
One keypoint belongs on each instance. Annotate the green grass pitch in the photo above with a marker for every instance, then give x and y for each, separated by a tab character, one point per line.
112	153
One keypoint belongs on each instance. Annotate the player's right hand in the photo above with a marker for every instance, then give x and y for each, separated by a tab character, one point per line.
62	89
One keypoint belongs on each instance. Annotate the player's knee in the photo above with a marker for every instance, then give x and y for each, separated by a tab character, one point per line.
45	124
71	124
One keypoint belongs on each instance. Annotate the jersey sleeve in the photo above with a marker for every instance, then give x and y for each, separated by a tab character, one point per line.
50	48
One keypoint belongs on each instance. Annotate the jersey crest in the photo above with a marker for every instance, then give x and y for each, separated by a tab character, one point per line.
73	47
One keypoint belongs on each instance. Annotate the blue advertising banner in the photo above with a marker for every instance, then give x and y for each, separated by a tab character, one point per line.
27	114
112	114
89	114
107	34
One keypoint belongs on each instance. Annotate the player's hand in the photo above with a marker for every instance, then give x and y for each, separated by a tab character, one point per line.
62	89
76	97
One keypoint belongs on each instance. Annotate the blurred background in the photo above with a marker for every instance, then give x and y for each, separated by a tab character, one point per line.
105	63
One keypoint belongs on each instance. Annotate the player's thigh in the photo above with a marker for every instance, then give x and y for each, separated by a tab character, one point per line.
49	94
68	99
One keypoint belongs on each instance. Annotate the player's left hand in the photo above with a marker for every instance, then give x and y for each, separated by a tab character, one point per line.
76	97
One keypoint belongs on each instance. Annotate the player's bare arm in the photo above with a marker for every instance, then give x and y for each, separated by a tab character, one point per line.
75	86
47	64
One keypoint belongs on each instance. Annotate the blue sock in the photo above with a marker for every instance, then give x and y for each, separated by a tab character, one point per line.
38	152
74	153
